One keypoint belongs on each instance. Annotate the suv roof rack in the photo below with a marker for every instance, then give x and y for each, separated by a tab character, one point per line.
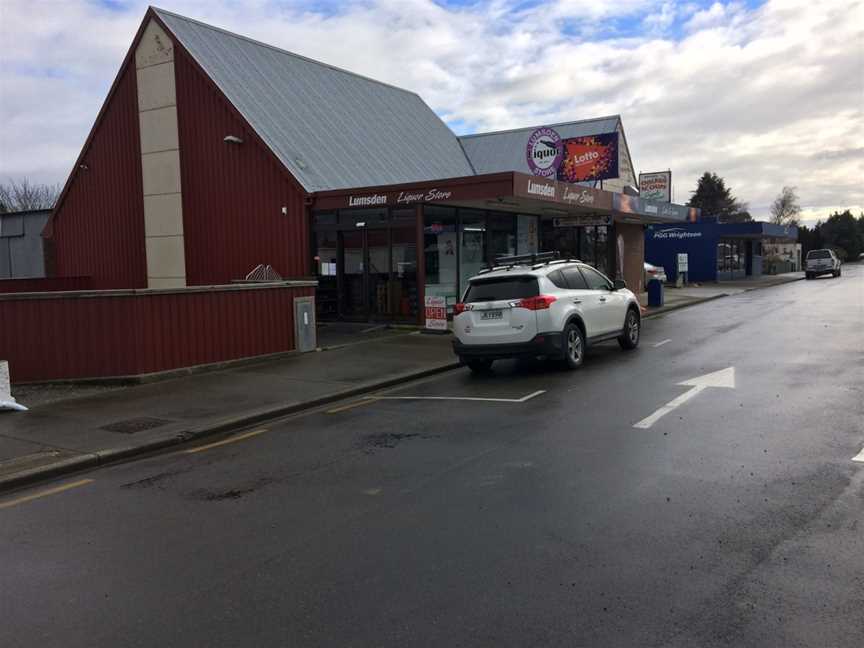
535	261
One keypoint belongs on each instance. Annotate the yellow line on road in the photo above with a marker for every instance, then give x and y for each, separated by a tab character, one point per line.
365	401
232	439
45	493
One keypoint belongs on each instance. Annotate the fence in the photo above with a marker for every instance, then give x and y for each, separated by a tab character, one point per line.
124	333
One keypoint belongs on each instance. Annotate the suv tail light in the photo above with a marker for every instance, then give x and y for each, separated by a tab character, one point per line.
540	302
458	308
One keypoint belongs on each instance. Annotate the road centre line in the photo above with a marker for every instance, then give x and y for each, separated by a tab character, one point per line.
45	493
467	398
859	457
233	439
662	342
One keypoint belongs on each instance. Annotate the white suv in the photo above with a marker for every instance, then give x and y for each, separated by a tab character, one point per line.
821	262
553	309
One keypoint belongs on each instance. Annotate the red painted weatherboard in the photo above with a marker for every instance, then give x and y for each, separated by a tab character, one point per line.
97	229
56	336
233	194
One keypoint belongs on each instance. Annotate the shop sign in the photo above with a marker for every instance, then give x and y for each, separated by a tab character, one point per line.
367	201
431	195
574	196
542	189
656	186
436	313
544	152
683	262
593	157
581	221
676	233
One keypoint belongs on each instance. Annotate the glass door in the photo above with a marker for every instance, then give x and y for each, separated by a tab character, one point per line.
352	276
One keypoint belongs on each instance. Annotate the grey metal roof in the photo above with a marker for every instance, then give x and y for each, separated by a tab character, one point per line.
332	129
505	150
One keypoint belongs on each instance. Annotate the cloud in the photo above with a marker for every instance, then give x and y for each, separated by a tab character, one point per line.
758	94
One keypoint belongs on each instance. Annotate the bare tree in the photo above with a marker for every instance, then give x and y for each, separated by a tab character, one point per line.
25	196
785	208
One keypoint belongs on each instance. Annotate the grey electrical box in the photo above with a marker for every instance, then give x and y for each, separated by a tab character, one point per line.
305	332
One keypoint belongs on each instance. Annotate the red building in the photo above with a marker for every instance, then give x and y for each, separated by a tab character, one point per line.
214	153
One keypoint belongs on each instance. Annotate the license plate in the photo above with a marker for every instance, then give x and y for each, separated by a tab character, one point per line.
490	315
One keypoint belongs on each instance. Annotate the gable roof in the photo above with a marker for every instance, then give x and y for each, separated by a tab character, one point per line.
505	150
332	129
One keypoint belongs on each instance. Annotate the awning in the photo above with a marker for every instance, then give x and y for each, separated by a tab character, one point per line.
510	192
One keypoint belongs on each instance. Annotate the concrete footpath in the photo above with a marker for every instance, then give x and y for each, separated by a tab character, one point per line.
73	427
92	429
698	293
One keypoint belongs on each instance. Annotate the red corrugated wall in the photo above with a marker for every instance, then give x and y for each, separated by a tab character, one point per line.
232	194
56	336
98	228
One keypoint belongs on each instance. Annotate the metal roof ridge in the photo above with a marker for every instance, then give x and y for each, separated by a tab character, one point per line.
525	128
160	11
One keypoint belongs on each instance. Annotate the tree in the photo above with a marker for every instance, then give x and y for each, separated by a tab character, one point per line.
785	208
841	233
25	196
716	200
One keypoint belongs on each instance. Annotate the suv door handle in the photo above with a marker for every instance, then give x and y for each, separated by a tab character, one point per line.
603	299
577	301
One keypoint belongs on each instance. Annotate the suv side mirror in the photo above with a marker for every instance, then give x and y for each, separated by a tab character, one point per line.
619	284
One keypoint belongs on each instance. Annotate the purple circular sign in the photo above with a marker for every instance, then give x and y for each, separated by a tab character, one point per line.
544	152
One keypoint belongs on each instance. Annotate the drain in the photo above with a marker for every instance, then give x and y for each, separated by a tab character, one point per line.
131	426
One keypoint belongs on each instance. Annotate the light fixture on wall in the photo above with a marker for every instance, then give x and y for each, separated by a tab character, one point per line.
232	139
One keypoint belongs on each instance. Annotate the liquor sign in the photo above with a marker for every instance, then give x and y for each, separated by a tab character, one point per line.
656	186
436	313
592	157
544	152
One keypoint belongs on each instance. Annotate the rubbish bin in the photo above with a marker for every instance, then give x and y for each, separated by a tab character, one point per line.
655	293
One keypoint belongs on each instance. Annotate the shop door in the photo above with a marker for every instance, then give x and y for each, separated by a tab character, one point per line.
365	275
352	280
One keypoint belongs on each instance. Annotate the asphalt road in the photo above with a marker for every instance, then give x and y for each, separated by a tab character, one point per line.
737	519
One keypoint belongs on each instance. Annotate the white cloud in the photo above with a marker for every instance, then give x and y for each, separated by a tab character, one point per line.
765	97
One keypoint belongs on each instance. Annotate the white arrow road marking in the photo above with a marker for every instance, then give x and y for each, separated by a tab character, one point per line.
859	457
662	342
722	378
465	398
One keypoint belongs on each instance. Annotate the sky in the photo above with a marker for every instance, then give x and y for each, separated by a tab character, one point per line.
764	93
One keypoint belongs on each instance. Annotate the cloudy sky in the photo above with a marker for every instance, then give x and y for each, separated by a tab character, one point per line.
765	94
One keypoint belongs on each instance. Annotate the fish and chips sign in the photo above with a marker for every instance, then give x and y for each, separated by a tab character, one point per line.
656	186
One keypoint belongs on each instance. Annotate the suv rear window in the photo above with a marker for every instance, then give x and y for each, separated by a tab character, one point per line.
819	254
501	288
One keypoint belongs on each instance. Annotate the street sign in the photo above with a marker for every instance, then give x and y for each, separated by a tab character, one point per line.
436	313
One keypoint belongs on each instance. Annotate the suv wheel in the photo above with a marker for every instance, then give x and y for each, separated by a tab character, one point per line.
629	338
479	365
574	346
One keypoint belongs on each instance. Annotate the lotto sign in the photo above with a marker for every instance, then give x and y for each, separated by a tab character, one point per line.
436	313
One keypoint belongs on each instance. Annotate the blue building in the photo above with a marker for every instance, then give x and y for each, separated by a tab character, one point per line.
716	251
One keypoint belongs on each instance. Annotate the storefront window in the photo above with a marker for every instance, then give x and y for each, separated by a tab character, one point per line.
526	235
440	250
472	245
502	235
403	301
